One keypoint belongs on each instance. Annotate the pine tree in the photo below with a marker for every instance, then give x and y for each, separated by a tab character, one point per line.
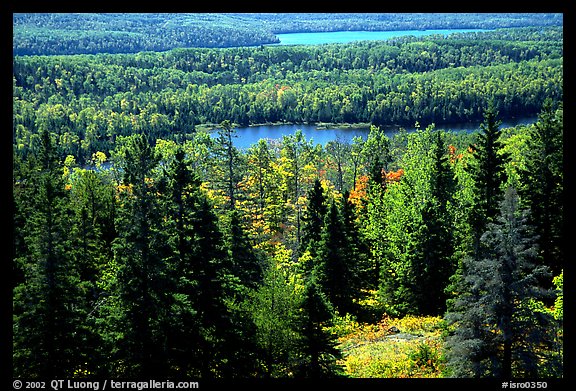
357	247
297	151
198	275
276	310
230	162
92	230
497	331
244	262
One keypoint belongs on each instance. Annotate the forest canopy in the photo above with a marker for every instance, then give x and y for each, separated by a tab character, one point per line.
146	245
89	100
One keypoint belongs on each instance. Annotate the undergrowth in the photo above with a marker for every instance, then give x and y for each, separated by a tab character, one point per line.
409	347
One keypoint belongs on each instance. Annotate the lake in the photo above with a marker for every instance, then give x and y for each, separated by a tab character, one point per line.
351	36
247	136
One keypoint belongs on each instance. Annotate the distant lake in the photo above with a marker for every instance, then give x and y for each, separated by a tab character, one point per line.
350	36
247	136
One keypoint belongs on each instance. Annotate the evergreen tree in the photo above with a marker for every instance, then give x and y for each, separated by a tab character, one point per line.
298	152
180	190
243	274
199	271
141	285
92	229
318	347
488	173
230	162
244	263
357	247
543	184
334	268
433	265
314	217
498	332
48	318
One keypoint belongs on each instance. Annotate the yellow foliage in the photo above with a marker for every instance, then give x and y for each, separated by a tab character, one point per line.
374	351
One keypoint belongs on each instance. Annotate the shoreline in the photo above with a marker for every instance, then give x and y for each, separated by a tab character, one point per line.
209	127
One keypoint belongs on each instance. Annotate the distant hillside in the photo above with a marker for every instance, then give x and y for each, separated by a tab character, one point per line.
87	33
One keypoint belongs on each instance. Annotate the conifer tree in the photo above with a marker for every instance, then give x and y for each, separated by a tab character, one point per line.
314	216
433	265
139	251
498	333
357	247
199	271
318	347
276	311
230	162
488	173
334	268
297	151
244	262
543	184
48	322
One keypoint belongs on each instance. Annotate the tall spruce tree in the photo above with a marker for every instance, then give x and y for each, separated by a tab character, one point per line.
47	318
433	265
139	251
543	179
244	262
230	162
180	190
276	312
357	247
498	333
318	346
334	268
313	219
198	272
488	173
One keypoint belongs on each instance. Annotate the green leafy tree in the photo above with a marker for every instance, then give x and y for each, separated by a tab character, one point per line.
276	313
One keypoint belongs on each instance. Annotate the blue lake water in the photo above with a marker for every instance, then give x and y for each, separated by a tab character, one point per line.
351	36
247	136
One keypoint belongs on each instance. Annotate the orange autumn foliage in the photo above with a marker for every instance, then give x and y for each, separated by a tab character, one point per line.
394	176
358	194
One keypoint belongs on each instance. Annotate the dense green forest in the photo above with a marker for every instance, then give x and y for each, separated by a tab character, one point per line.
89	100
145	246
41	33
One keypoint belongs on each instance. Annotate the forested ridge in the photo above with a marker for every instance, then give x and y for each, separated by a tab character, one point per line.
147	247
83	33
